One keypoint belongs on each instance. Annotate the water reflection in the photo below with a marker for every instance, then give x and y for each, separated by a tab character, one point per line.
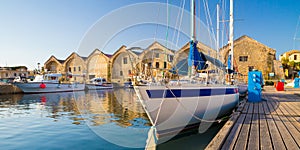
114	115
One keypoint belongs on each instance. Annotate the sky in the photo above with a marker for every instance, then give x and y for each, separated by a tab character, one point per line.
33	30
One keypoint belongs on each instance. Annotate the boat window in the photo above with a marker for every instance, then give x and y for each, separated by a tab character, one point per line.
103	80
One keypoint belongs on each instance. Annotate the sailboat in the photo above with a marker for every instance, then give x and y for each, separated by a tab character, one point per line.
174	107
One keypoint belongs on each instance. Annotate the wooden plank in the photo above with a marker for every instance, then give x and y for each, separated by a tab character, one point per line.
255	108
219	139
275	135
244	134
254	132
291	118
260	108
287	138
250	109
284	132
287	129
245	109
233	135
265	138
265	107
241	106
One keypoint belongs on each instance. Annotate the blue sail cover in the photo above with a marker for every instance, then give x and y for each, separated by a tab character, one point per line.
229	70
229	62
196	58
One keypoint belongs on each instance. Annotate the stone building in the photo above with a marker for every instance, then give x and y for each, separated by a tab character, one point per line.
12	72
292	58
155	60
292	55
124	64
98	65
250	54
54	65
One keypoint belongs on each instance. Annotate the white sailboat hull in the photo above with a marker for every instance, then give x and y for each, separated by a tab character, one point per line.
174	108
35	87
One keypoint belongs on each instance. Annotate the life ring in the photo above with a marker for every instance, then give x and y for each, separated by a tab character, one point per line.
42	85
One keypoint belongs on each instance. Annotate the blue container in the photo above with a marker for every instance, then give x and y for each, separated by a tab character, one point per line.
255	82
296	82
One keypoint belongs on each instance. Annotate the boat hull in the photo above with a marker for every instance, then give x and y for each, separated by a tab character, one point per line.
99	87
36	87
174	108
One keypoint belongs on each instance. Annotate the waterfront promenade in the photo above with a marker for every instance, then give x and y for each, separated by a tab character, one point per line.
273	123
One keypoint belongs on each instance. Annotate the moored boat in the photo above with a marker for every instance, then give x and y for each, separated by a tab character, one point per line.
172	107
48	83
98	84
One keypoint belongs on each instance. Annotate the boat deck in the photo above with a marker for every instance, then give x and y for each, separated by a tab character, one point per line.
273	123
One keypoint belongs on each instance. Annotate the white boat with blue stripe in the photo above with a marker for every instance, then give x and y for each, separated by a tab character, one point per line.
172	107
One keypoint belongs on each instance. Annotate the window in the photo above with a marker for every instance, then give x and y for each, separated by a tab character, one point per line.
79	69
125	60
74	69
250	68
70	70
295	57
6	74
157	64
149	65
165	65
129	72
15	74
121	73
156	55
170	58
243	58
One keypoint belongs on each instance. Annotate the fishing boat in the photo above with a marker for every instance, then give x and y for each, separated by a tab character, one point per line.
173	107
98	84
48	83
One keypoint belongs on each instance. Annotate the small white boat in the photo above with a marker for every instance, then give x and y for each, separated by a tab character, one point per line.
48	83
98	84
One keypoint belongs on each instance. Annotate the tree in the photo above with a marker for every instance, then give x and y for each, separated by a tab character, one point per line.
285	62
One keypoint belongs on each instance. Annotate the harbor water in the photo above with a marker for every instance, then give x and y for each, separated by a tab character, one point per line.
97	119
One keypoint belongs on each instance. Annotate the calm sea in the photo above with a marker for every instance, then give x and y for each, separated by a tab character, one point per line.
106	119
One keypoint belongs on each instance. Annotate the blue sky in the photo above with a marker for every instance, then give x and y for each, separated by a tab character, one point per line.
33	30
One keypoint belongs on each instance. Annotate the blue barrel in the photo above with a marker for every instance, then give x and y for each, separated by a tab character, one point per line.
296	82
255	82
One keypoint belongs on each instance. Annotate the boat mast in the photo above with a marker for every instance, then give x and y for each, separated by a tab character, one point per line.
218	30
192	34
193	14
231	34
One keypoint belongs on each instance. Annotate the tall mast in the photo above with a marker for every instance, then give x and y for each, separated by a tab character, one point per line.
231	34
193	12
218	30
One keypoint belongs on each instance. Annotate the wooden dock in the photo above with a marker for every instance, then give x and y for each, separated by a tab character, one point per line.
273	123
